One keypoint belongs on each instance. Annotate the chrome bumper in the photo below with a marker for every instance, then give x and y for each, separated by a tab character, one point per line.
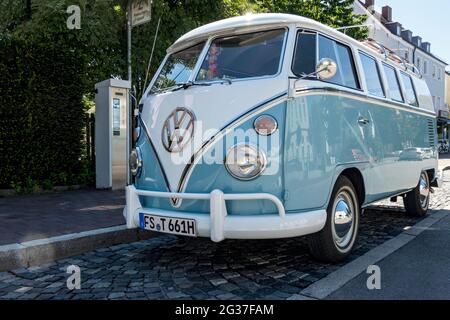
218	225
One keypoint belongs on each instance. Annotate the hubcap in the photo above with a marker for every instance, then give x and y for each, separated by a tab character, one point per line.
424	189
343	219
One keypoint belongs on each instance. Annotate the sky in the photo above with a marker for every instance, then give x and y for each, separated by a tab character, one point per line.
429	19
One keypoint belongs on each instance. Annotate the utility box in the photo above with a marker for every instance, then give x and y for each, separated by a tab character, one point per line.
112	138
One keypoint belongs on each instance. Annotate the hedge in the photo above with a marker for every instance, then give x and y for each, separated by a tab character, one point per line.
41	114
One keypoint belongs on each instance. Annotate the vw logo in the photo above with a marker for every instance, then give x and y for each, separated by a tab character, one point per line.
178	129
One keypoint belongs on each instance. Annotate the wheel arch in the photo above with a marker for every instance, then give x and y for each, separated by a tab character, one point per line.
357	179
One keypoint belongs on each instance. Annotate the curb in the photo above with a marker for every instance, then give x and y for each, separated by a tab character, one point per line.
336	280
37	252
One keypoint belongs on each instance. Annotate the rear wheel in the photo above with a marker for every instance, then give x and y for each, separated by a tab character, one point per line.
336	240
417	200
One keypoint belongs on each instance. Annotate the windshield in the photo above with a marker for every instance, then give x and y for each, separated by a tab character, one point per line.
243	56
178	68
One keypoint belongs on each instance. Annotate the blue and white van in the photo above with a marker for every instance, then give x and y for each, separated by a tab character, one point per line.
274	126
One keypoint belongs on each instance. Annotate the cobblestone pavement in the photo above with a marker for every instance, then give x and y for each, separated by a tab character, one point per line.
168	267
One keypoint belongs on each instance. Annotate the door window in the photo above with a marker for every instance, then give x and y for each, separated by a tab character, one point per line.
305	58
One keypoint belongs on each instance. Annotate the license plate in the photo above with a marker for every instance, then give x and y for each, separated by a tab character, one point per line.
185	227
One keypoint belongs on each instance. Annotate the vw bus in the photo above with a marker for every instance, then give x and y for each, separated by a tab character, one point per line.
273	126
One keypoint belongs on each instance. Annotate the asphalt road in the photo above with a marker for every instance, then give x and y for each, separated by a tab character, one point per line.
419	270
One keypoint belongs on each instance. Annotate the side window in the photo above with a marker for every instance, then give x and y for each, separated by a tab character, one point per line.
410	93
305	54
346	72
393	83
372	74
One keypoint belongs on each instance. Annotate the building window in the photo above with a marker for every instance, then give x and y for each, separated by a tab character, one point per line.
434	72
439	73
425	67
372	75
393	83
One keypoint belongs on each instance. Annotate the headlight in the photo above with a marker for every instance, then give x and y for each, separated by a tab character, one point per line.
265	125
245	162
136	162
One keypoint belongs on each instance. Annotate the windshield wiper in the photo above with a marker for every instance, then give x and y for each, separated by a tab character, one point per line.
227	80
189	84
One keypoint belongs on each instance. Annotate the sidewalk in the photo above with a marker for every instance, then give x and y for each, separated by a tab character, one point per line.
26	218
418	270
37	229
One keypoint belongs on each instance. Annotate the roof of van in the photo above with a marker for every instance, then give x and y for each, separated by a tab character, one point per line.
262	21
230	24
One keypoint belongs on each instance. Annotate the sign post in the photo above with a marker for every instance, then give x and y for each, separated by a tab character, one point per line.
139	12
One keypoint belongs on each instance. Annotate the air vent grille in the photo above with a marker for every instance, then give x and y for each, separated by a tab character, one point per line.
431	133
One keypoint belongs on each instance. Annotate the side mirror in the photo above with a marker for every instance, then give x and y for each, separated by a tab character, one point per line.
326	69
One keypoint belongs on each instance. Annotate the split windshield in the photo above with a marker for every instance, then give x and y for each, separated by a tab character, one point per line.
178	68
250	55
244	56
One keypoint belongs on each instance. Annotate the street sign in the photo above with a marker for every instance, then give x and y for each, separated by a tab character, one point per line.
141	12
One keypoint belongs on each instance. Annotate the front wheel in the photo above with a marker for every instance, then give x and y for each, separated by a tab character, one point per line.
336	240
417	200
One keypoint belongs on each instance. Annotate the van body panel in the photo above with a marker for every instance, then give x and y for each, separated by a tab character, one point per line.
323	133
216	106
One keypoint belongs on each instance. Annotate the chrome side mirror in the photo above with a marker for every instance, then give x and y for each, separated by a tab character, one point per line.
326	69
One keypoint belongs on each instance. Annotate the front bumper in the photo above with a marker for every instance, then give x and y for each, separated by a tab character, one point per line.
218	225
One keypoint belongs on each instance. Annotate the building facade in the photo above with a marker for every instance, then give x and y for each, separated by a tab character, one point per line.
392	35
447	89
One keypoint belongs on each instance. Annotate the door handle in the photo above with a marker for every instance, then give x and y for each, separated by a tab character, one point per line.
363	121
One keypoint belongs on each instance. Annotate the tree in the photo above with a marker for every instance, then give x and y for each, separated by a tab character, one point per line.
335	13
102	39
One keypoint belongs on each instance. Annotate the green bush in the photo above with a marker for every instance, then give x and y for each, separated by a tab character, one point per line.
41	115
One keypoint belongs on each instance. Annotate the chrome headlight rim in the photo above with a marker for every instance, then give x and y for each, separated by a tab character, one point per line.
136	155
261	154
263	133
